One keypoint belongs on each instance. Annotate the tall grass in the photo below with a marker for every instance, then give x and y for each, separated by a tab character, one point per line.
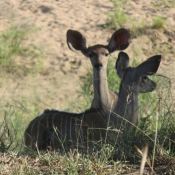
13	115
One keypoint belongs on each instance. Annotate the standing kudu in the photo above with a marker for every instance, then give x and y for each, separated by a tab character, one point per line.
71	130
98	55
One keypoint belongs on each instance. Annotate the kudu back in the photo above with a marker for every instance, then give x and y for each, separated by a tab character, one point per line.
98	54
63	130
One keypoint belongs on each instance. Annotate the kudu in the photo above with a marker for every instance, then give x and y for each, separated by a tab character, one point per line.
104	99
75	130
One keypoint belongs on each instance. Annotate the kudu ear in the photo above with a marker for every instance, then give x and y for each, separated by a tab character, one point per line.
119	41
122	63
149	67
76	41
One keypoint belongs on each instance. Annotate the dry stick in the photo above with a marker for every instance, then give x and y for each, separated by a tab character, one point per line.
154	150
144	158
144	155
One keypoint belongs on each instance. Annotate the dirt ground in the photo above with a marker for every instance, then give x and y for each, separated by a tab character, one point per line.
57	84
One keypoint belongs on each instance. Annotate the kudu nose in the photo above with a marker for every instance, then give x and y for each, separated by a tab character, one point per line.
98	66
153	87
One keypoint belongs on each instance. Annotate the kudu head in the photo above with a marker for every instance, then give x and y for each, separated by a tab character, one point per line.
136	79
98	54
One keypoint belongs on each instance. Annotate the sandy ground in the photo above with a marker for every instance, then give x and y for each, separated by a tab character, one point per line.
57	84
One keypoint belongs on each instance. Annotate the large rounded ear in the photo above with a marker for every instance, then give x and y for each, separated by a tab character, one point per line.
149	67
122	63
119	41
76	41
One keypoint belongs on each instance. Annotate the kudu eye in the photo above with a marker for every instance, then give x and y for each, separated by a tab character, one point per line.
90	54
106	54
144	78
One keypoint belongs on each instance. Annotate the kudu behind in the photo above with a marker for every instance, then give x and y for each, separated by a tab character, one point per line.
133	81
63	130
99	54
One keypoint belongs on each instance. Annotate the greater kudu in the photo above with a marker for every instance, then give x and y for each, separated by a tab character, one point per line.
98	55
71	130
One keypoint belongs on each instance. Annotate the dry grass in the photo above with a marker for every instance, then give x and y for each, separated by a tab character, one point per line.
73	163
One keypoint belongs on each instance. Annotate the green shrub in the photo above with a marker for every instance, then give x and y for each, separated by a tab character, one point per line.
118	18
158	22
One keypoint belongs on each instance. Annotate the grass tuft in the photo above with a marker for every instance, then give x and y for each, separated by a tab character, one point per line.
118	18
165	4
158	22
12	46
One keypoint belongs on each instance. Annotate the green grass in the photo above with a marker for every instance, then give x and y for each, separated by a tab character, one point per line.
12	45
14	112
165	4
118	18
158	22
15	116
141	28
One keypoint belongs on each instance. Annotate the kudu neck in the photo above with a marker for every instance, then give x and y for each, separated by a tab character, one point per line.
101	91
127	106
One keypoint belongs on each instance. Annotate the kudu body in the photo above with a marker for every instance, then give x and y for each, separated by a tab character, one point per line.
104	99
71	130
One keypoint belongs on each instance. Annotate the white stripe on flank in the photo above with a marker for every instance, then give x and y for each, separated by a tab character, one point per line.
47	121
54	128
66	126
33	138
31	135
61	129
75	127
53	124
82	133
71	129
61	132
38	131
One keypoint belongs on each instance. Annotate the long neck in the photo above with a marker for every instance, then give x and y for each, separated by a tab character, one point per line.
101	91
127	107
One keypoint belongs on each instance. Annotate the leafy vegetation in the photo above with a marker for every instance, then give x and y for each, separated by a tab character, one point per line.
119	19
